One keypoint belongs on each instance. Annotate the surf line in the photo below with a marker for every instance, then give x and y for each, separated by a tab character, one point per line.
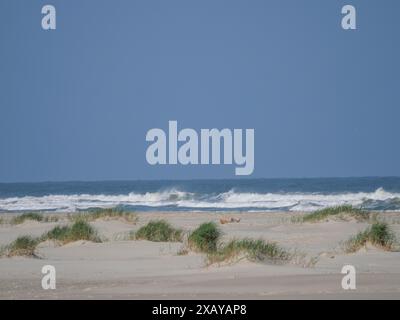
183	147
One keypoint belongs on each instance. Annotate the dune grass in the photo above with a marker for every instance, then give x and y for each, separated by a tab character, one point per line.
79	230
105	213
22	246
26	216
26	245
33	216
253	250
205	238
338	211
378	234
158	231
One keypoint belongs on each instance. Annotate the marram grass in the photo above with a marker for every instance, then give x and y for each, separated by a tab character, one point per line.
26	245
33	216
79	230
253	250
106	213
158	231
205	237
338	211
26	216
22	246
378	234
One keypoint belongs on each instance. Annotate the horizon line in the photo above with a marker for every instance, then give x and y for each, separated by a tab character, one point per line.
199	179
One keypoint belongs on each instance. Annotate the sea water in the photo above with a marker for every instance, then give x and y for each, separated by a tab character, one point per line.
201	195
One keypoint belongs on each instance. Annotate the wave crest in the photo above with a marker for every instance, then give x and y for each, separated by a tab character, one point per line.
231	200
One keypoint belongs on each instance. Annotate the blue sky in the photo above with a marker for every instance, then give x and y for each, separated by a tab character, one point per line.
76	103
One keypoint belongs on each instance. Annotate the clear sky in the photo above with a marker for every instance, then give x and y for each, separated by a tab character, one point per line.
76	103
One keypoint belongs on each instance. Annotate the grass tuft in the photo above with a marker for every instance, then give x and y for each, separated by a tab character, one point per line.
379	234
32	216
254	250
26	245
80	230
159	231
338	211
205	237
26	216
107	213
22	246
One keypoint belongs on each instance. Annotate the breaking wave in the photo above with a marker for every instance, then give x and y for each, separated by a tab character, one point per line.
180	200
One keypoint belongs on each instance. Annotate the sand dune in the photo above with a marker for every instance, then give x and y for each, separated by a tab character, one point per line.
127	269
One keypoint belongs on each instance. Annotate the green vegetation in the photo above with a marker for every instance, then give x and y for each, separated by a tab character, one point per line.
339	211
107	213
22	246
32	216
254	250
379	234
159	231
80	230
26	245
205	238
26	216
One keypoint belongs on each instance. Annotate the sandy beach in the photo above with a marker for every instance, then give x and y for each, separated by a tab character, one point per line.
118	268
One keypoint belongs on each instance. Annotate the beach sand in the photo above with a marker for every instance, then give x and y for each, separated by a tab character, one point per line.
127	269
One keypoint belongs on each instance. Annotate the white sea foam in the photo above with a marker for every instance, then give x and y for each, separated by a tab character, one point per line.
180	199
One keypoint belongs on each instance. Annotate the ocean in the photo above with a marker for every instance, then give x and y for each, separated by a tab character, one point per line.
371	193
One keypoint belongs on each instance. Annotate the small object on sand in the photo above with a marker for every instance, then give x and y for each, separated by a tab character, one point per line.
229	220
